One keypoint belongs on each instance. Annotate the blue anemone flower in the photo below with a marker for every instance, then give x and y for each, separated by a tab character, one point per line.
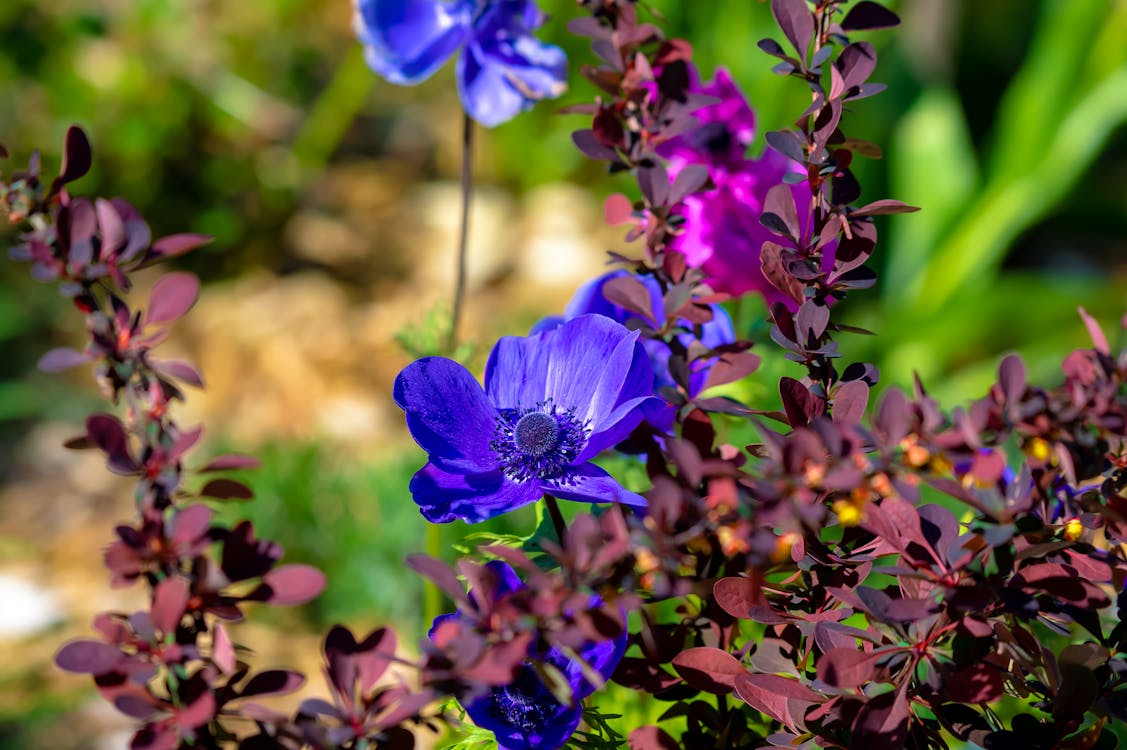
524	715
503	68
552	402
589	299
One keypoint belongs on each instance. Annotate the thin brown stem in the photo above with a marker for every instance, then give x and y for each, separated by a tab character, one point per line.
463	234
557	517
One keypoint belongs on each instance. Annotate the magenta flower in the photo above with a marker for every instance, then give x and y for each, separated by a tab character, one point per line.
722	233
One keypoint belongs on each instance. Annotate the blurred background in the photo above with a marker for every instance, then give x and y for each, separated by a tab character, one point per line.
332	197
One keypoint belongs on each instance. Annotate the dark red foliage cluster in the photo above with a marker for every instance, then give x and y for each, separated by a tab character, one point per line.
901	576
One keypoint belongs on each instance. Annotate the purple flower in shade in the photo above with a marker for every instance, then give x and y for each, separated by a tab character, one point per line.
523	714
590	299
722	234
552	402
503	69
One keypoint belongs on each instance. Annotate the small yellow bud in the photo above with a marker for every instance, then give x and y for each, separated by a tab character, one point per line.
1073	530
848	514
1039	449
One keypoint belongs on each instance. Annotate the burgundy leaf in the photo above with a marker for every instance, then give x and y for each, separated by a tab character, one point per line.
850	402
848	667
293	584
190	523
1094	330
883	206
736	595
796	21
617	209
180	370
867	15
630	293
730	367
77	158
108	433
651	738
60	359
88	657
440	574
178	244
170	599
799	403
708	669
198	712
373	656
1011	376
173	295
776	696
771	260
227	489
654	183
689	180
230	462
273	682
882	723
780	203
223	650
856	63
586	142
980	683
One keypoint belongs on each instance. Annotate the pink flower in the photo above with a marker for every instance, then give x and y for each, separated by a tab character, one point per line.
722	233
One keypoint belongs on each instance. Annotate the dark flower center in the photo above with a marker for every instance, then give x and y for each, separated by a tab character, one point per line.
536	433
712	138
537	443
524	703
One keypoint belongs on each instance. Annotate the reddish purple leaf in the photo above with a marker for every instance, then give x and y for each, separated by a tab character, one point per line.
799	403
850	402
630	293
883	206
774	270
77	158
60	359
796	21
776	696
980	683
882	723
856	63
689	180
589	144
223	650
179	369
293	584
227	489
848	667
651	738
88	657
374	655
708	669
867	15
178	244
230	462
736	595
618	209
440	574
730	367
1094	330
197	713
190	523
173	295
108	433
654	184
273	682
1011	376
170	599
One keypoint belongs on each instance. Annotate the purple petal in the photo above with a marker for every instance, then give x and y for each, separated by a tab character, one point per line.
443	497
618	425
517	369
588	483
602	656
447	414
594	365
407	40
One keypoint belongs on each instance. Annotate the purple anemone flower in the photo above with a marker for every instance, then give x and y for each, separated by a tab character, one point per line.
503	69
722	234
523	714
552	402
589	299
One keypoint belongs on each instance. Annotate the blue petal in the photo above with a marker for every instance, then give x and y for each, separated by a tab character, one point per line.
407	40
588	483
447	414
602	656
619	424
517	369
549	323
504	69
443	497
594	365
